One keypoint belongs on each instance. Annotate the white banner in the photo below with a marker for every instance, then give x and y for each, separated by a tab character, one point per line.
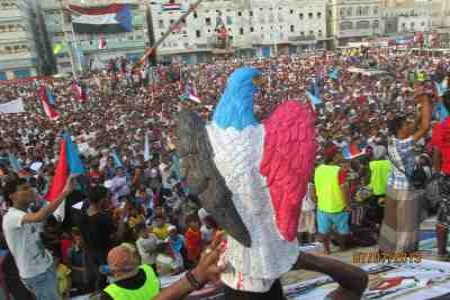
12	107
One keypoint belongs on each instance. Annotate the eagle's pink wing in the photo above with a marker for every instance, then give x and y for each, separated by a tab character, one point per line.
288	161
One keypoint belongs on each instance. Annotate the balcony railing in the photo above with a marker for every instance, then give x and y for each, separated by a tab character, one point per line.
113	45
301	38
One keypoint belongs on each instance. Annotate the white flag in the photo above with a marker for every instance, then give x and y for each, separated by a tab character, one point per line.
147	154
12	107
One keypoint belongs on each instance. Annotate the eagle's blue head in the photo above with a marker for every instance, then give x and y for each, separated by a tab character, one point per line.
235	108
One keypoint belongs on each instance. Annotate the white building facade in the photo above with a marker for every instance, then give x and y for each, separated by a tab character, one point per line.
254	27
17	58
353	20
415	17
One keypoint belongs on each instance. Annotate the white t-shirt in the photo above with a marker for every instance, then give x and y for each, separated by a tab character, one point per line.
24	242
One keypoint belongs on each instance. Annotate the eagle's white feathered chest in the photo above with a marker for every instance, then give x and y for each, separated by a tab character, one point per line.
238	155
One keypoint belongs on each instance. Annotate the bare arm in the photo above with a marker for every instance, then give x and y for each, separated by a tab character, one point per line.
46	211
352	280
437	160
425	118
206	270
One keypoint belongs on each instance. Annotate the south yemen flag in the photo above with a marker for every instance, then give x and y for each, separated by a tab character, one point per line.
113	18
69	163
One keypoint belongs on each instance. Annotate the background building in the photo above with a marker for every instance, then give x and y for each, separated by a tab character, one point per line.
83	49
254	28
17	47
353	20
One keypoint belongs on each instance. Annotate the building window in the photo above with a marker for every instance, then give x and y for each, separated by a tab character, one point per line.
342	12
346	26
241	31
292	28
365	11
311	32
319	15
319	33
250	13
349	11
412	24
330	13
291	11
198	34
422	24
300	16
359	11
376	24
161	24
310	15
375	10
262	36
363	25
302	33
239	14
252	29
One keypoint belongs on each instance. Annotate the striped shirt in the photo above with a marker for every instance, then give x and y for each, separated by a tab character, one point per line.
401	154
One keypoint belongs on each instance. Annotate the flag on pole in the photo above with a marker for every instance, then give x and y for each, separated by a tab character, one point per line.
61	174
334	74
49	111
315	100
190	93
102	43
171	6
147	154
69	163
113	18
351	152
117	160
50	95
14	162
80	93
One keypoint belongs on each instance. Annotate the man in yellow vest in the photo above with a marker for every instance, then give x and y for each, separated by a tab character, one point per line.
380	169
133	281
332	199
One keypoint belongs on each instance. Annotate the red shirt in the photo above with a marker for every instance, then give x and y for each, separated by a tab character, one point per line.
441	140
193	244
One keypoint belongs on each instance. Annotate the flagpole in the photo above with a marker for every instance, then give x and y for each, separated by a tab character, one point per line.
72	59
80	67
153	48
74	41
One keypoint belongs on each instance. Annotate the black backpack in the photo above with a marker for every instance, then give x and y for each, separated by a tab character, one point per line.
418	177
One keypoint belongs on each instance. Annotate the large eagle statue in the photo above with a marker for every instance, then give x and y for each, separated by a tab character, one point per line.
251	177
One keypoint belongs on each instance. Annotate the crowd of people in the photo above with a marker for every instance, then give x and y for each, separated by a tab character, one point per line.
373	130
